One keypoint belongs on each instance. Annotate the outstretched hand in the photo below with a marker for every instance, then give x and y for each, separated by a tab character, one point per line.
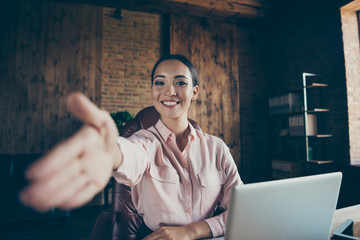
76	170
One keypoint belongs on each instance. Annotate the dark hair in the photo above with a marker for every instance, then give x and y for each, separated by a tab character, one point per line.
182	59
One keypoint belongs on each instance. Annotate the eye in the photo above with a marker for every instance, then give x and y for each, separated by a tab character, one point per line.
159	83
181	83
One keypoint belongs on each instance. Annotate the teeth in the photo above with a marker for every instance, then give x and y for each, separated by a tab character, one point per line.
169	103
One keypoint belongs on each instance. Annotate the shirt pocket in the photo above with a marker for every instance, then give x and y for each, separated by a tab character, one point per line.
164	175
161	192
211	187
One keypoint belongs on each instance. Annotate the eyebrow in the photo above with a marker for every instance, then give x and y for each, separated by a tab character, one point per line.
177	76
162	76
180	76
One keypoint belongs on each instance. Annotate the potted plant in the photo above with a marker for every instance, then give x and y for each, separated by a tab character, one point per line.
121	118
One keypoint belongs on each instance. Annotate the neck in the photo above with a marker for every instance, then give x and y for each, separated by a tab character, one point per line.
179	126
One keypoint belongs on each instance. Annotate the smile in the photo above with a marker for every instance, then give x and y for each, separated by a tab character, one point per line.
170	103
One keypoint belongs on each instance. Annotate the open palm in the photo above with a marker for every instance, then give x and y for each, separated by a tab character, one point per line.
76	170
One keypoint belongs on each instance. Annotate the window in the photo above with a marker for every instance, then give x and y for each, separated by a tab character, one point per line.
350	16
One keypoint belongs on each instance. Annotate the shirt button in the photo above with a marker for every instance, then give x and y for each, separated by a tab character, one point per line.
188	210
188	187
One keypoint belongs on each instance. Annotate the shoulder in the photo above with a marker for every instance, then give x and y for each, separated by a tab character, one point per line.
211	140
145	134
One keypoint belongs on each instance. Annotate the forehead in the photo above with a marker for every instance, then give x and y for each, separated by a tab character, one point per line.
172	66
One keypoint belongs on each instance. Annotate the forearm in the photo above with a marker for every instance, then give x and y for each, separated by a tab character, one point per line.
118	157
131	160
199	230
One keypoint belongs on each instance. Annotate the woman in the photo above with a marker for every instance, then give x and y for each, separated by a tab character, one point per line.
178	174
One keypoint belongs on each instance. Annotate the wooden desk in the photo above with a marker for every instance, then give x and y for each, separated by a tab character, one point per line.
342	214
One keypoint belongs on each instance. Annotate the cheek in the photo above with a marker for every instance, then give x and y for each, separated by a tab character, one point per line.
154	93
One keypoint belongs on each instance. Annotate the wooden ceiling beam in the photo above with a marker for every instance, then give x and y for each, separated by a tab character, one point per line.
228	9
223	8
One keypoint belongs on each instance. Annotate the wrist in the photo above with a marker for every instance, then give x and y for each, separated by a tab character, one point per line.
118	157
199	230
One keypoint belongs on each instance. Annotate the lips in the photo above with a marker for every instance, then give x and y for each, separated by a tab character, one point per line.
170	103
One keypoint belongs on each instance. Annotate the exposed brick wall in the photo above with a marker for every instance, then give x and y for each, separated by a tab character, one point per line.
131	45
350	32
310	40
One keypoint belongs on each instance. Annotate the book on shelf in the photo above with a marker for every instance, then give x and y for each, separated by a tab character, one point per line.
296	125
286	103
286	169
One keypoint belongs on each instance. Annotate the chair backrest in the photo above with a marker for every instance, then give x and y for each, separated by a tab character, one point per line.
126	220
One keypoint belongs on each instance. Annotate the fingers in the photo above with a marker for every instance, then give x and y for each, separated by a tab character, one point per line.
67	171
43	198
75	170
63	154
82	197
167	232
161	233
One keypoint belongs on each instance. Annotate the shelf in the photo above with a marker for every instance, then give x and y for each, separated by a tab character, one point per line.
323	136
315	85
296	136
321	161
317	110
298	130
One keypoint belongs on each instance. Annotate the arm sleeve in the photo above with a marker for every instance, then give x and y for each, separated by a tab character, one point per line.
135	160
217	224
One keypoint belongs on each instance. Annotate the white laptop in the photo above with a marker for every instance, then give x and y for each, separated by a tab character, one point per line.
296	208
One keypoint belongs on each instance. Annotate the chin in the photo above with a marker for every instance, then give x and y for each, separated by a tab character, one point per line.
169	115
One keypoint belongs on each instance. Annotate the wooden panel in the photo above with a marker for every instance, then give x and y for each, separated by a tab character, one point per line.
54	50
212	47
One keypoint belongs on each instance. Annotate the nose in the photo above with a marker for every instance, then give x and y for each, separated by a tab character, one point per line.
170	90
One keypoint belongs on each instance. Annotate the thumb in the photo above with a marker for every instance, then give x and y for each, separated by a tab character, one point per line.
85	110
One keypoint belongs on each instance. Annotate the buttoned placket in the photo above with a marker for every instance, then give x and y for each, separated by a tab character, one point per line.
188	189
178	154
188	182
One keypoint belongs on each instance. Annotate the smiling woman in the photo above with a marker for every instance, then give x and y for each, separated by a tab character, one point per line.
178	174
173	90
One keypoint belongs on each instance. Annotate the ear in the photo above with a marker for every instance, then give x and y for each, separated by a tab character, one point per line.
195	92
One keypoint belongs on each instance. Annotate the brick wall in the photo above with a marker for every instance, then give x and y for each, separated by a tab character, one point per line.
131	45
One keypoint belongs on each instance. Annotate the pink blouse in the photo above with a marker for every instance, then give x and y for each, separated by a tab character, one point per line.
174	188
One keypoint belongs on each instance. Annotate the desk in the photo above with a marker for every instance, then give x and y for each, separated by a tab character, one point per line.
340	216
